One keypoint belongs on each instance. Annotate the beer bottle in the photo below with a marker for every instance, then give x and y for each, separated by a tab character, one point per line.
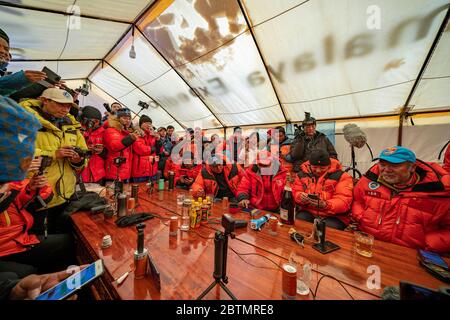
287	207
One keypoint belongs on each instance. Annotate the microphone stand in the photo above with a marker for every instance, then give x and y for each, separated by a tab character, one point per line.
220	264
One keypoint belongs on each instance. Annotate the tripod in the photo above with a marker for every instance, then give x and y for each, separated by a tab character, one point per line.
220	264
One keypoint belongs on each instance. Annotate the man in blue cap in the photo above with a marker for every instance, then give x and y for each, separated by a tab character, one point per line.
404	200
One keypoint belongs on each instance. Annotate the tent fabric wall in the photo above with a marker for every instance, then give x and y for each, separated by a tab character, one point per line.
217	64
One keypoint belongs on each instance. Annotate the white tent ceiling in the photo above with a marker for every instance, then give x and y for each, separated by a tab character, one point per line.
223	63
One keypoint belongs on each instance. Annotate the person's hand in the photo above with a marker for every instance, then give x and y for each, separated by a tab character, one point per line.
189	181
244	203
304	198
38	182
35	164
98	148
146	126
134	136
35	76
166	153
33	285
200	192
65	152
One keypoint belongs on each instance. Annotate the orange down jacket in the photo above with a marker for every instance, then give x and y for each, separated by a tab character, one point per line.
418	217
335	187
205	179
16	220
252	188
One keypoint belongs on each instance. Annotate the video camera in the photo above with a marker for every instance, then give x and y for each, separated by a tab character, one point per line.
119	161
83	89
143	105
228	223
82	153
299	129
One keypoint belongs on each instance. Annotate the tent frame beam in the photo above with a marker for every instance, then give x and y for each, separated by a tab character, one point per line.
25	7
182	77
54	60
249	25
405	109
137	87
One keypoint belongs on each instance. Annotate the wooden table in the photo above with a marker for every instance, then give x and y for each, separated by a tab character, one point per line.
186	262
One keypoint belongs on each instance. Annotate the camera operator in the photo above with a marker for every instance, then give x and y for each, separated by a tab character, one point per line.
16	81
61	139
306	141
118	139
114	107
144	152
163	148
93	133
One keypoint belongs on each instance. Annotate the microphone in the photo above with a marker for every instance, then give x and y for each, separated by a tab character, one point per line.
354	135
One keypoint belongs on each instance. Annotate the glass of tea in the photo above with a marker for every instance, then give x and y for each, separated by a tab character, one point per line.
364	244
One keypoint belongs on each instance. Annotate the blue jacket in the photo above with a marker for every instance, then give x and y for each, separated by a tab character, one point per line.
12	83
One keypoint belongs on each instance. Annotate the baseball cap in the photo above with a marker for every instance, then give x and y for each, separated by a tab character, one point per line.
397	154
59	95
319	158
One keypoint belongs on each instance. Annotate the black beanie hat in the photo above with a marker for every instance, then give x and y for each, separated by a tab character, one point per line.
3	35
319	158
91	113
144	119
124	112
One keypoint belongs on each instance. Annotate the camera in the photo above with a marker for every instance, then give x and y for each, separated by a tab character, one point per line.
143	105
228	224
119	161
88	123
83	90
107	107
45	163
82	153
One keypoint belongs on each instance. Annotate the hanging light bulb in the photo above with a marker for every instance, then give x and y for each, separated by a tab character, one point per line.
132	51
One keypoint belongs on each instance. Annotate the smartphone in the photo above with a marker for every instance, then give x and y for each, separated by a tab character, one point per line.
52	77
73	283
410	291
313	196
436	271
432	258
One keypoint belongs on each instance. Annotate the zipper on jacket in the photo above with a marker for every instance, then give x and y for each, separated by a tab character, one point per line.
45	227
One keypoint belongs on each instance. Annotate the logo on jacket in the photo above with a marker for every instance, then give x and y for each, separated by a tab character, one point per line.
373	185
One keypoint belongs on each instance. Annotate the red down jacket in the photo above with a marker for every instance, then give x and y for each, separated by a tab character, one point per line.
144	151
180	171
416	218
15	223
95	170
335	187
117	142
253	186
